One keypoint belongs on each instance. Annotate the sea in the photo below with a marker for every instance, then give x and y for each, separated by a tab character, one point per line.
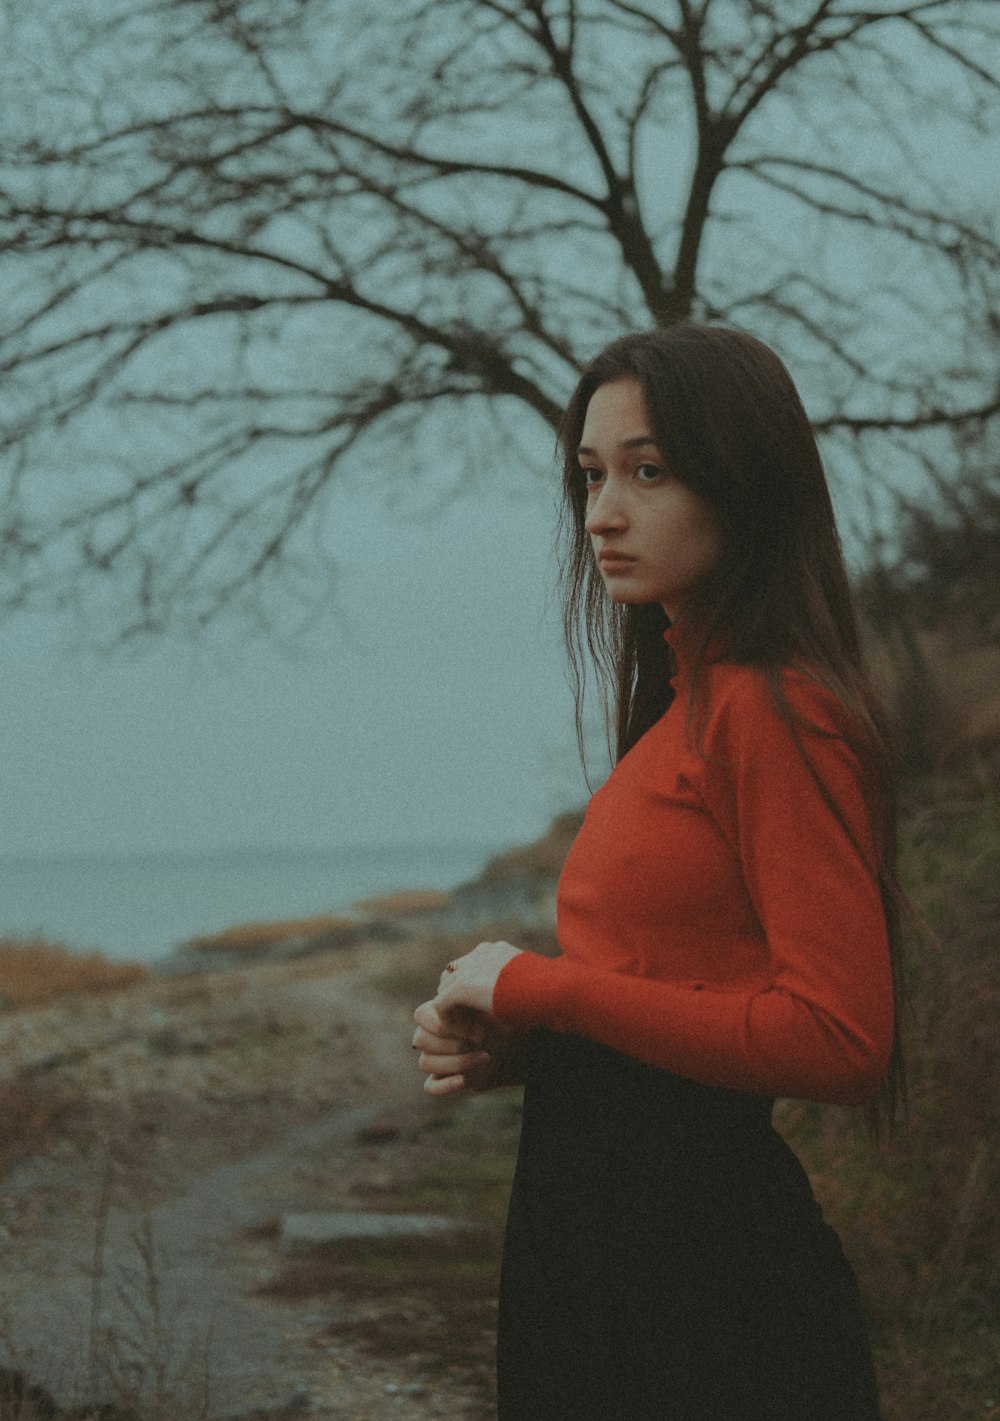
139	907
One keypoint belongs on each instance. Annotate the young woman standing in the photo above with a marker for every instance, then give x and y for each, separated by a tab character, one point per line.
727	919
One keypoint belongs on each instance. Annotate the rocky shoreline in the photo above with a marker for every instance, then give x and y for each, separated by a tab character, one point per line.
246	1093
515	887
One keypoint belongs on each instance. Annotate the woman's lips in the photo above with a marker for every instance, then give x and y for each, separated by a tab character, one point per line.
613	561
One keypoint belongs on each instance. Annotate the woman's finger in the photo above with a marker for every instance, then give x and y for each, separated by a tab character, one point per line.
427	1016
442	1045
444	1085
433	1064
455	1022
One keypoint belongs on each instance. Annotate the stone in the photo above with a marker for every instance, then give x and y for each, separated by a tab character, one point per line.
318	1228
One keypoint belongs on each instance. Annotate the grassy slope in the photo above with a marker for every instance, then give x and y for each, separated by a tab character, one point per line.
921	1218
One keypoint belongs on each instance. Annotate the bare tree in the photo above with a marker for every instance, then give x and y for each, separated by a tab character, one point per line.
255	247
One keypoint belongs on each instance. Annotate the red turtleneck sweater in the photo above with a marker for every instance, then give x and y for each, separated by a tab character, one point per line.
715	918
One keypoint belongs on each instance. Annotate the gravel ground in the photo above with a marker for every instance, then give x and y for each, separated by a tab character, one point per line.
155	1138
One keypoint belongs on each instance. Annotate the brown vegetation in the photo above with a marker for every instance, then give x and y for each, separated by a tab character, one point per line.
34	972
20	1400
29	1110
920	1218
404	902
257	937
944	695
932	620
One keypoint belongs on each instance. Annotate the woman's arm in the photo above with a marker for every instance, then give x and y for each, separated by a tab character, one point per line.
817	1023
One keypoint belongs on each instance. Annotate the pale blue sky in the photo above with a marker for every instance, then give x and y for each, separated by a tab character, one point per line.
430	706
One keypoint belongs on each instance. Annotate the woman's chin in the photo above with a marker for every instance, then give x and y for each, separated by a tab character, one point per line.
627	597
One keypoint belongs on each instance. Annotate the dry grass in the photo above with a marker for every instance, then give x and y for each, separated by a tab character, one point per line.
150	1374
404	902
21	1400
34	972
29	1111
255	937
922	1219
944	695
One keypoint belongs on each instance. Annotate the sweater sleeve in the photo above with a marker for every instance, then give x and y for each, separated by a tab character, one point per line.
817	1024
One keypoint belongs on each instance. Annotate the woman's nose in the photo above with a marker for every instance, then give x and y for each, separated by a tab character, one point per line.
606	513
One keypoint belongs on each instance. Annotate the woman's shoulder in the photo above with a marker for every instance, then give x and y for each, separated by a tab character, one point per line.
753	701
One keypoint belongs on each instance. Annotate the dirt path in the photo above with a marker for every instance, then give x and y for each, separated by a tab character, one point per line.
140	1234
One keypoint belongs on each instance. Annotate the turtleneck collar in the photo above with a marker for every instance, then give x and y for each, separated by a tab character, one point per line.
685	641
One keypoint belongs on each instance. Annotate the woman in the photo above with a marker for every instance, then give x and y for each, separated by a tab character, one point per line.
726	917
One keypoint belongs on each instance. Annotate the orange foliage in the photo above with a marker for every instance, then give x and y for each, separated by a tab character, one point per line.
406	900
247	937
32	972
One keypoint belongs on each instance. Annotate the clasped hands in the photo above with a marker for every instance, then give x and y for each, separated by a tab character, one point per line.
461	1046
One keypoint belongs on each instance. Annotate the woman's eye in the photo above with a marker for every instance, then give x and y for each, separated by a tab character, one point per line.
590	477
649	473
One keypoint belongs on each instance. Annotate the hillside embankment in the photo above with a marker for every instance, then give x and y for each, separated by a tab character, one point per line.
218	1186
224	1194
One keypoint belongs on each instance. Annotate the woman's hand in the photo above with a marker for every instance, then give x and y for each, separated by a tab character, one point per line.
451	1062
468	982
461	1047
488	1056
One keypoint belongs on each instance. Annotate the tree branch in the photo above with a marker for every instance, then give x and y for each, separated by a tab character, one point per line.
450	208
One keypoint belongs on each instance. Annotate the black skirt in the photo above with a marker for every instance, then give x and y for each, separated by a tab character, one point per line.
665	1259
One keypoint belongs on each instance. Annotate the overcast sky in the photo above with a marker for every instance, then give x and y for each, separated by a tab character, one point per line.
430	706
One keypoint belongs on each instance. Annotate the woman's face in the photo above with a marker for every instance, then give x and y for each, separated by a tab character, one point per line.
654	538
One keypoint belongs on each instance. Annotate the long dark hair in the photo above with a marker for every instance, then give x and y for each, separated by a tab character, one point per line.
727	418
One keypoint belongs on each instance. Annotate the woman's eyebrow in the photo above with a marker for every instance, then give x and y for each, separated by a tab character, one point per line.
635	441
